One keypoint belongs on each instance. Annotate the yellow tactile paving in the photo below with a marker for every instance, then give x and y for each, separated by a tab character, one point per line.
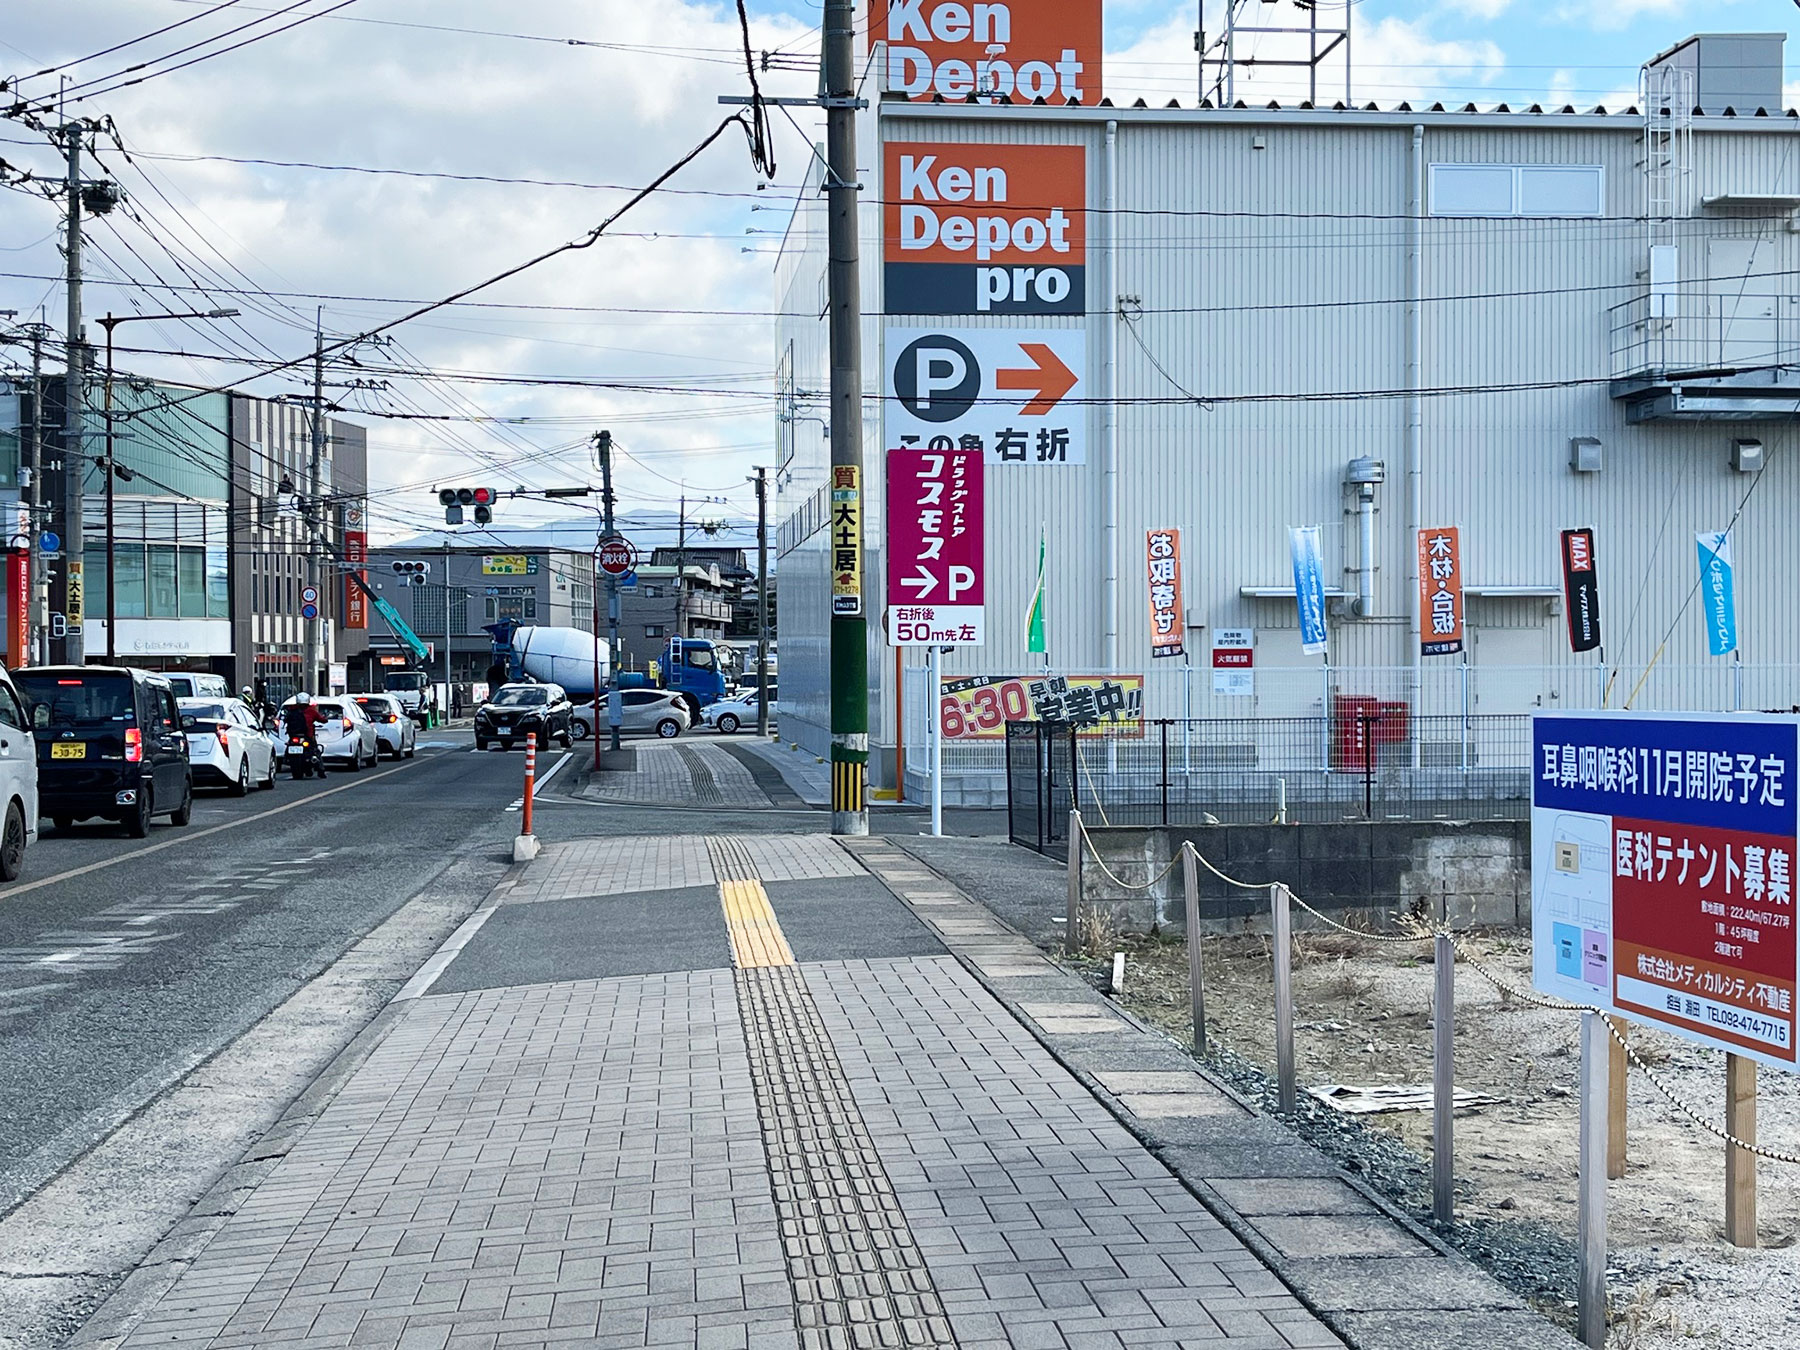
756	938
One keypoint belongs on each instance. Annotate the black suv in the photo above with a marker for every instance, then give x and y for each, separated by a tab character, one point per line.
515	710
110	744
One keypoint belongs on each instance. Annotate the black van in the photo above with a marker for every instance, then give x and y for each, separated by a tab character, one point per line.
109	743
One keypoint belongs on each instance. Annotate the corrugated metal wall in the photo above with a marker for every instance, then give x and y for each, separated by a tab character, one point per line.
1263	265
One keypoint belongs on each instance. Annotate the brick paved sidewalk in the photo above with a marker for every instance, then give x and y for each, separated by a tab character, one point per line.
832	1153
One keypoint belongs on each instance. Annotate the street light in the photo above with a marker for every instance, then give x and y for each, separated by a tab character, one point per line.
110	322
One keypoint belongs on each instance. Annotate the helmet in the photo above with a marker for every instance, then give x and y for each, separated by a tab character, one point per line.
303	698
246	691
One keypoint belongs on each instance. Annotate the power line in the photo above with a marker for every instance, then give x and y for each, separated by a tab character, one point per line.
121	46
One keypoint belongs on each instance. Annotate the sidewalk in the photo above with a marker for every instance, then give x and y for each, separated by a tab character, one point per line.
771	1091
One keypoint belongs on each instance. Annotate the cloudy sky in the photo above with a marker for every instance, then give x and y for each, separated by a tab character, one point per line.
591	97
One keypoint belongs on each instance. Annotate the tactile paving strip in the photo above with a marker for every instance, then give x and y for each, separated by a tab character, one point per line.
706	787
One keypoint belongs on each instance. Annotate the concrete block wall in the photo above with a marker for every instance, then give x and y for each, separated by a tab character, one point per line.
1473	873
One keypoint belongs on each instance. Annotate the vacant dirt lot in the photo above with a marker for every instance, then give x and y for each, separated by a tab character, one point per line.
1364	1017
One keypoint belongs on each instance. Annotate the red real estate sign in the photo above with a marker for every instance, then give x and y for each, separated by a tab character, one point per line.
936	548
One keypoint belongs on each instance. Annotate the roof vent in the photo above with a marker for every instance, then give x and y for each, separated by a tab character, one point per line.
1140	104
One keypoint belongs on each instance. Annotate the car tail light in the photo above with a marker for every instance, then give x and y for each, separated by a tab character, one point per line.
134	745
224	741
391	717
346	724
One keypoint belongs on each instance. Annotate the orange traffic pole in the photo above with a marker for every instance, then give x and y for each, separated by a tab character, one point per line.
530	780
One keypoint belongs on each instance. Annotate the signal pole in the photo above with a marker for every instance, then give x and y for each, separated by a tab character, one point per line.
40	627
849	620
74	472
315	467
604	442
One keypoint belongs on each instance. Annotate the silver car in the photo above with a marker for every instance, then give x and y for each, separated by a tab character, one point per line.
655	711
346	735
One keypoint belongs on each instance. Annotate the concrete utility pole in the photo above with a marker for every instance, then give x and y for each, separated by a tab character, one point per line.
762	603
74	650
680	629
444	712
849	620
310	676
39	645
604	442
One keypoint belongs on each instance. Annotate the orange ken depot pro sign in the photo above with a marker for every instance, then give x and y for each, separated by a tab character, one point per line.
1021	49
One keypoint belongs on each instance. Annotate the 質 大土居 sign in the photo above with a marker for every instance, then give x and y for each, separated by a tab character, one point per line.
1014	394
1020	49
978	707
985	229
1662	852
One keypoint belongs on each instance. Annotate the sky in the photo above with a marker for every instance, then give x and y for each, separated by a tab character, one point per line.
661	331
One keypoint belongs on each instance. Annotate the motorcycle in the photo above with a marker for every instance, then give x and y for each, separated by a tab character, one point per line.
303	758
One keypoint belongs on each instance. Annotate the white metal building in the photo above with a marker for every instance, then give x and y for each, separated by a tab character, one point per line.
1531	319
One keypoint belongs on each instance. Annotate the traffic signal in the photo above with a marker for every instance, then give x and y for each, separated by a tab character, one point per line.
411	573
454	500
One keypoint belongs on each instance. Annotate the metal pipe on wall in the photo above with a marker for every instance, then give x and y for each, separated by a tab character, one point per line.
1365	551
1110	392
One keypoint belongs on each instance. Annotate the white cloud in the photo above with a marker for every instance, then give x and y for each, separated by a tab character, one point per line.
408	97
1612	15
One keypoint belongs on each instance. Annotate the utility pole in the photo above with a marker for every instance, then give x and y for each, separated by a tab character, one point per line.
681	570
310	675
40	629
604	441
849	621
444	712
74	650
762	602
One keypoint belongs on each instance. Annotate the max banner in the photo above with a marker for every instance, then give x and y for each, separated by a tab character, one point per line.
1022	50
1440	592
1581	589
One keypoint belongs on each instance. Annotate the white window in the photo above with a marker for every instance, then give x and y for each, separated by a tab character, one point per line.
1517	189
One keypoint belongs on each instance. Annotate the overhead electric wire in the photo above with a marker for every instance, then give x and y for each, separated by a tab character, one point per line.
121	46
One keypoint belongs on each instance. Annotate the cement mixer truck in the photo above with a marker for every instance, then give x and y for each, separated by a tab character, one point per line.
698	669
566	656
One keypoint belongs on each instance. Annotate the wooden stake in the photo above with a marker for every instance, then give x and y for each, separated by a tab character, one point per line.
1740	1165
1591	1187
1443	1085
1281	918
1617	1071
1190	884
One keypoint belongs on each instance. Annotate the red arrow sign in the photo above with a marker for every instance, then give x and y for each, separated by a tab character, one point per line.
1048	380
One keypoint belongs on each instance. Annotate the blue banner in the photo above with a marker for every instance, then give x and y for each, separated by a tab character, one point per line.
1309	587
1718	603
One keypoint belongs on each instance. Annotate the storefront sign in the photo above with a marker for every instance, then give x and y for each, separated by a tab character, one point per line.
1717	594
1021	49
356	604
985	229
18	608
1663	870
1013	394
74	593
936	550
1309	587
1440	592
978	707
1234	662
509	565
846	541
1581	589
1162	571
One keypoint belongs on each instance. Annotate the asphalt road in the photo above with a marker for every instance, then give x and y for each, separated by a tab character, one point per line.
124	963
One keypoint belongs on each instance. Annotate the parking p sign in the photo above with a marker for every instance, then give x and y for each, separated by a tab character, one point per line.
936	541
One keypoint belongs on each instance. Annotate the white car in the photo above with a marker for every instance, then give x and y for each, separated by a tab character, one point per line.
653	710
225	745
394	727
345	732
18	780
728	714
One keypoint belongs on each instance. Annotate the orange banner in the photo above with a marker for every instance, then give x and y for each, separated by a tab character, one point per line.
1162	569
1023	50
1440	592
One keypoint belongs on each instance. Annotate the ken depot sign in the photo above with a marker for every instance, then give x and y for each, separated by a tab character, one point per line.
1027	49
985	229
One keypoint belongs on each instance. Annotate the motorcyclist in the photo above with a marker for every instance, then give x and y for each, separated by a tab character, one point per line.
301	719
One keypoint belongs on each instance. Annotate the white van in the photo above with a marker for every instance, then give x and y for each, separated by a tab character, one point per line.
18	780
188	685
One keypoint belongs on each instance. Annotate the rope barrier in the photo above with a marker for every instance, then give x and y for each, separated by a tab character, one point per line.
1480	967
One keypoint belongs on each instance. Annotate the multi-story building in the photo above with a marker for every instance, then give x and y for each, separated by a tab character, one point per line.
1233	321
655	609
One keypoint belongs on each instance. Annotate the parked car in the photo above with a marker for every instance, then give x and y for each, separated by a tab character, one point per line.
199	686
728	714
394	726
659	712
18	780
346	735
515	710
226	747
109	744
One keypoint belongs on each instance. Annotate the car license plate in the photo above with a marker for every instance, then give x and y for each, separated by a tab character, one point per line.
296	750
69	750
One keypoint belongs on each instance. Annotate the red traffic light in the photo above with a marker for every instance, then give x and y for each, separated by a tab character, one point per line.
484	496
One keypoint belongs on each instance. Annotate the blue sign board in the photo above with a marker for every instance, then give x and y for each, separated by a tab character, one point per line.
628	581
1309	587
1718	602
309	611
49	541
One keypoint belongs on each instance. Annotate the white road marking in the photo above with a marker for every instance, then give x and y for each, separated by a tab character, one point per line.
440	961
518	803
